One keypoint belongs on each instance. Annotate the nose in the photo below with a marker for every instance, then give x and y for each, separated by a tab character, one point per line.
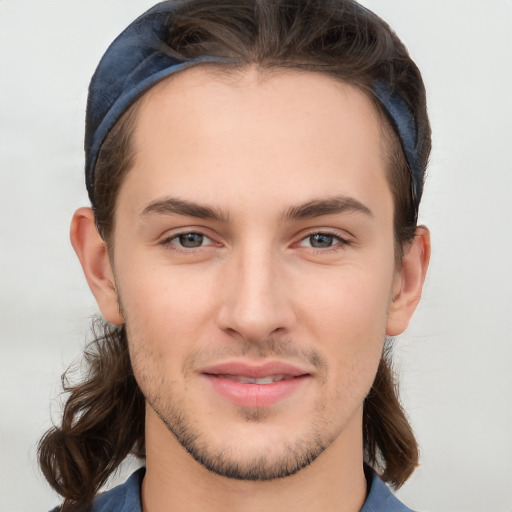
255	297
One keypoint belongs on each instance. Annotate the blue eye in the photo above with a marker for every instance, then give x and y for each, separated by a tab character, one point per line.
322	241
189	240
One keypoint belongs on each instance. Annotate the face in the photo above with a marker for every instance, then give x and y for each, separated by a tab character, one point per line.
254	264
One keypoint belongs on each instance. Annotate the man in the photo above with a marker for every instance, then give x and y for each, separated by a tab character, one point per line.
255	171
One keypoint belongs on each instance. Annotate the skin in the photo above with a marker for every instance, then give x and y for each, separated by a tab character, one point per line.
254	148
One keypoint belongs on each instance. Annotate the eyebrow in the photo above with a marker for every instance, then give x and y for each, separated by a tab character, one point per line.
175	206
329	206
309	210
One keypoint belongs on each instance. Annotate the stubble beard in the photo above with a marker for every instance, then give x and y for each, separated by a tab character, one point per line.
224	462
270	463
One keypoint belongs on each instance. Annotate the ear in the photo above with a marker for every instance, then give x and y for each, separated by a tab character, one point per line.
92	253
408	282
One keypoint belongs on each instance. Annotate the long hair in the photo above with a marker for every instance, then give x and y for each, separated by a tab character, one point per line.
103	419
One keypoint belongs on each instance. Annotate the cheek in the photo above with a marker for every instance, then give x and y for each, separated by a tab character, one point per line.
351	302
165	298
166	314
168	311
348	318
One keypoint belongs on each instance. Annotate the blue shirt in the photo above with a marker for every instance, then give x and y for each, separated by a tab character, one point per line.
126	497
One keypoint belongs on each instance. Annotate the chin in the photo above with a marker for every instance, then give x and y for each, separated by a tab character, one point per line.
254	447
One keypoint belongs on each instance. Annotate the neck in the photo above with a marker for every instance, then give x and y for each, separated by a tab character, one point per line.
335	481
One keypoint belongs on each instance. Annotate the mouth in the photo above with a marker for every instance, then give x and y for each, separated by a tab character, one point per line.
253	385
261	380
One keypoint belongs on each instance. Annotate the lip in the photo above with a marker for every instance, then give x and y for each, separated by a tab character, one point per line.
255	371
253	395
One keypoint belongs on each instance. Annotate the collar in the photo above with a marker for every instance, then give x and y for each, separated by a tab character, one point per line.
126	497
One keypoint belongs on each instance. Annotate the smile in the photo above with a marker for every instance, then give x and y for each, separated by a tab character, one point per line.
261	380
250	385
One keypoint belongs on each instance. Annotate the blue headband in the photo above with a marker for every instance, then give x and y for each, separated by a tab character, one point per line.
136	60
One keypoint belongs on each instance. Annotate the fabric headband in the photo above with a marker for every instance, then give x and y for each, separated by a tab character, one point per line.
136	60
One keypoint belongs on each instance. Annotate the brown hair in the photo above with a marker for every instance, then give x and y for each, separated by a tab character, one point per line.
103	419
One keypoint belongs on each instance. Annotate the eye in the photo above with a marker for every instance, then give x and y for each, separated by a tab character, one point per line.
322	241
190	240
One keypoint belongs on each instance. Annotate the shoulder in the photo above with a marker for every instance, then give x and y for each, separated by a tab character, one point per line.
126	497
123	498
380	498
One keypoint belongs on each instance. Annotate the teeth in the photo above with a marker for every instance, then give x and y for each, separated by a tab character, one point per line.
262	380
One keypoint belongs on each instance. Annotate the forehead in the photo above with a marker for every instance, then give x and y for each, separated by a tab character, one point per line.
291	135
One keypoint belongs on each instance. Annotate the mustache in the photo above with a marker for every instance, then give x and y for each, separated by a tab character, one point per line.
270	348
283	348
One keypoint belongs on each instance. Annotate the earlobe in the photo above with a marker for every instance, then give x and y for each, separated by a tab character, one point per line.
92	253
409	282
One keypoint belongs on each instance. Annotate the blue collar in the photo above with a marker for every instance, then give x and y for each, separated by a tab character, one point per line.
126	497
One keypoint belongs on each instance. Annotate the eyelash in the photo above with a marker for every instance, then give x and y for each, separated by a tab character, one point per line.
167	242
341	242
340	245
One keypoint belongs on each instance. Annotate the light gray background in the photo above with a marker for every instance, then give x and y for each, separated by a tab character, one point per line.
456	357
